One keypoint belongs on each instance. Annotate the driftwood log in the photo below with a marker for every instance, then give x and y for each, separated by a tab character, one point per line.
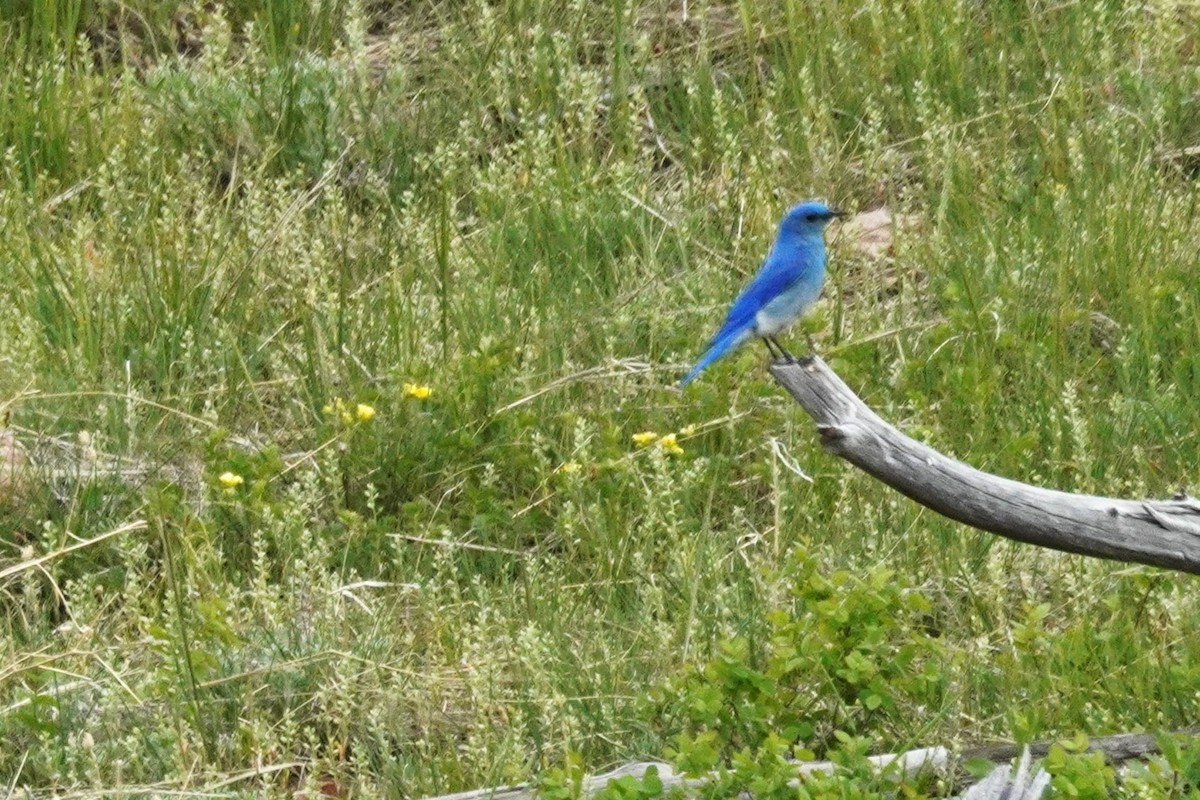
930	758
1162	533
939	760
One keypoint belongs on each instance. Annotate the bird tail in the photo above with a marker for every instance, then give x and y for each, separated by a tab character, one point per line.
718	348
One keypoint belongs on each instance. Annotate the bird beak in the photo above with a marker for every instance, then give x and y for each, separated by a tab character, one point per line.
838	214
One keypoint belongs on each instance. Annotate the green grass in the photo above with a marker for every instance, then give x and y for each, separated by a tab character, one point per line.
215	223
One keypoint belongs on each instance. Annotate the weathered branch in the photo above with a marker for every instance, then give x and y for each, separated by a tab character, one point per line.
1117	749
1163	533
907	764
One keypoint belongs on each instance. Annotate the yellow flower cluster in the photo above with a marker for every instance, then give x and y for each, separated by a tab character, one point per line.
340	408
230	480
645	438
417	390
668	443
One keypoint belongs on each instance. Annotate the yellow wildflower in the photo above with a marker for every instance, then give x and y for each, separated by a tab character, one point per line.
669	445
231	480
645	438
340	409
569	467
364	412
419	391
688	430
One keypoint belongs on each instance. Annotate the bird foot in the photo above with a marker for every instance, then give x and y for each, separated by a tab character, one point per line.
779	354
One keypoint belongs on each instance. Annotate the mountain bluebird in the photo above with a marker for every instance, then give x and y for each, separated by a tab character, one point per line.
785	288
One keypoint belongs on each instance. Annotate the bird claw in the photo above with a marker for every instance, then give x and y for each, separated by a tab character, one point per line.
779	354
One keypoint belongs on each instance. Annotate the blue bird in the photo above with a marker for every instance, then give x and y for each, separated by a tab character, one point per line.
786	287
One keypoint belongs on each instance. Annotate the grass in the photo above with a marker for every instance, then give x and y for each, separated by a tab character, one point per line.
217	222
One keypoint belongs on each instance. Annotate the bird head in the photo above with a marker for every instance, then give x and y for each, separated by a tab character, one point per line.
808	219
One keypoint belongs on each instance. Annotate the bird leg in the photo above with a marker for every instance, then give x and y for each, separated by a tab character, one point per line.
775	356
784	354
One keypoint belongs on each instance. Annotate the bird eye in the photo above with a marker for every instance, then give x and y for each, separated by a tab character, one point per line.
811	217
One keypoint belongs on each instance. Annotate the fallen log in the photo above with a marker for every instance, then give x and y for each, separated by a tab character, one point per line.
941	760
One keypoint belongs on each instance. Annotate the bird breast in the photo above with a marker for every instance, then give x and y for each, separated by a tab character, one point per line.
788	306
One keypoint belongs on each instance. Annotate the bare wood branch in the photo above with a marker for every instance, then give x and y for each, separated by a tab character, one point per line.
1119	748
1116	748
1162	533
908	764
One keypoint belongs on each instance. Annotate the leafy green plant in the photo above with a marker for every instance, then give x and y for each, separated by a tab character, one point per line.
562	783
835	670
849	656
1078	773
628	787
1173	773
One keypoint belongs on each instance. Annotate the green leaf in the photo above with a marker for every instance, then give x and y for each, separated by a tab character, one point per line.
978	768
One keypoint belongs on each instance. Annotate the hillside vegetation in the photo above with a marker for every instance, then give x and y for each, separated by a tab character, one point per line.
333	334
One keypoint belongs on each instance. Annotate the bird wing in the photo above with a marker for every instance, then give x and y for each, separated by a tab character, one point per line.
775	277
